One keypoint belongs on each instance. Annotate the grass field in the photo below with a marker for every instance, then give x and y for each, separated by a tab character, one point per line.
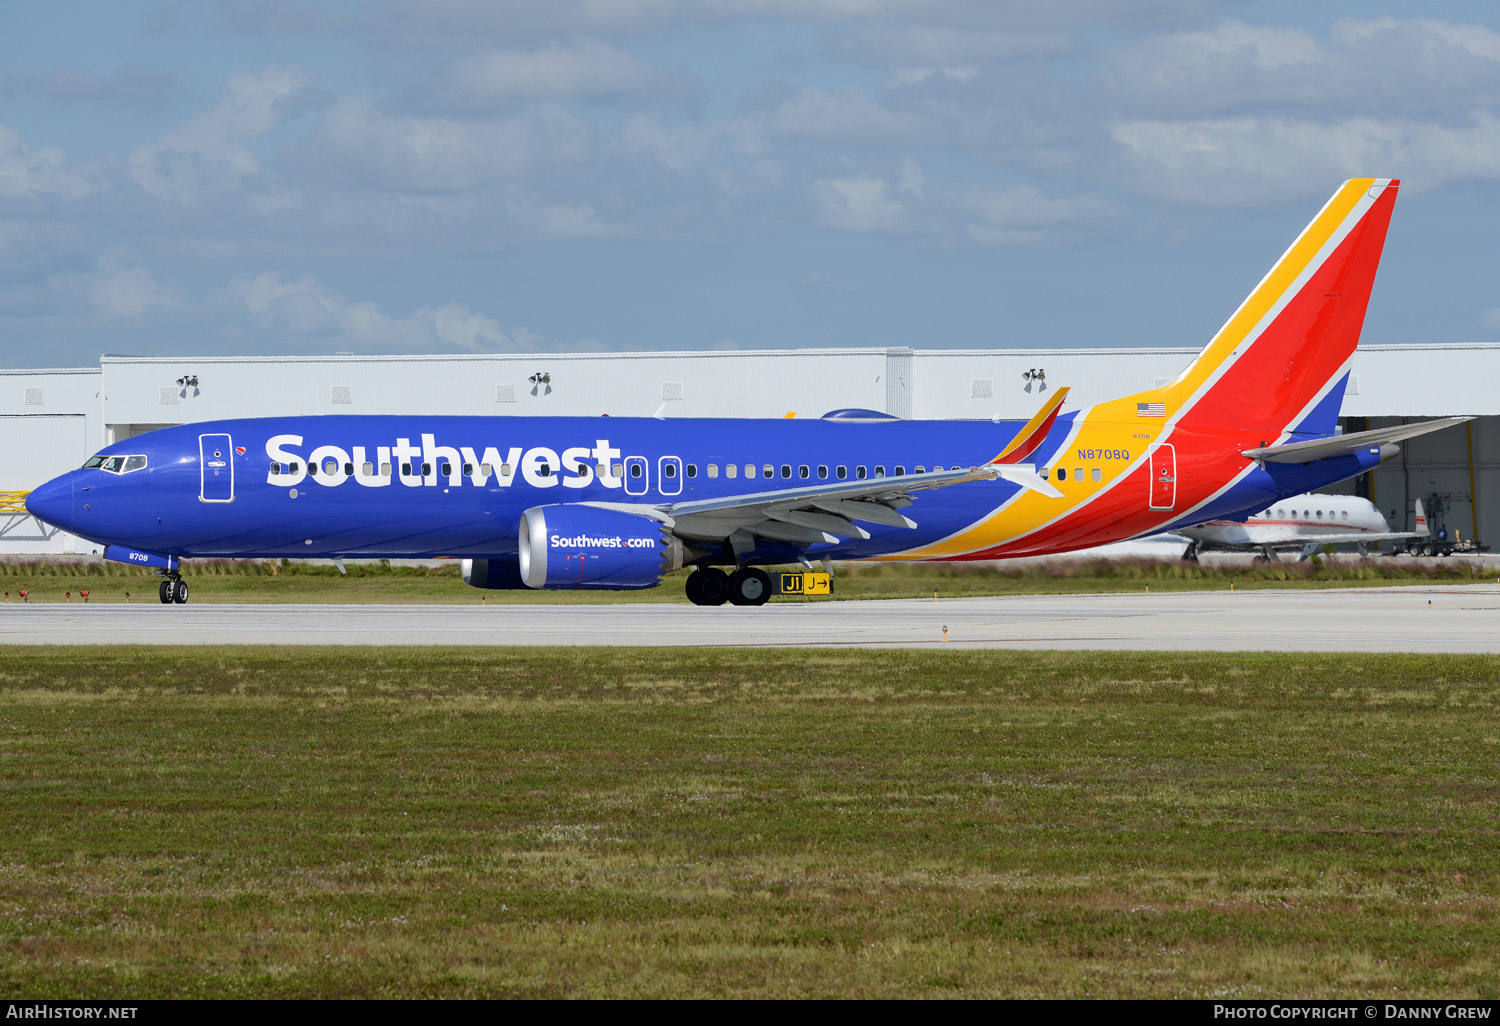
589	822
263	581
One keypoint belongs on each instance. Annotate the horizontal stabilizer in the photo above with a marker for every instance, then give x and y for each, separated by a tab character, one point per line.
1026	477
1346	445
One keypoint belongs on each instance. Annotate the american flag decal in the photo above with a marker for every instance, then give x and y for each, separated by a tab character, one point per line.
1150	409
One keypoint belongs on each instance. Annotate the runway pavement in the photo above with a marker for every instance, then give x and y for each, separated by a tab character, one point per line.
1460	619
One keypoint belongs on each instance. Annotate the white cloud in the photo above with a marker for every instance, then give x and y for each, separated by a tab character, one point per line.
307	307
580	68
25	172
120	288
209	152
912	179
423	154
858	204
1024	215
937	46
1255	161
848	116
132	85
1377	67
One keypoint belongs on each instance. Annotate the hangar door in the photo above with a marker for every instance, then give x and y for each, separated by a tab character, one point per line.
36	449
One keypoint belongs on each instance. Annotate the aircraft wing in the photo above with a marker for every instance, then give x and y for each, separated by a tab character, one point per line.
826	511
1351	538
1345	445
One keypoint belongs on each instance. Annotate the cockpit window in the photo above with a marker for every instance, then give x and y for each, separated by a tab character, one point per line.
116	464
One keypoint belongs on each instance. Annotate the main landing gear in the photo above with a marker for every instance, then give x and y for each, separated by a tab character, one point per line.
711	586
173	589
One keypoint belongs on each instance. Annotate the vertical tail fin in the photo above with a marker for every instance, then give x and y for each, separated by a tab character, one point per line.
1421	520
1279	365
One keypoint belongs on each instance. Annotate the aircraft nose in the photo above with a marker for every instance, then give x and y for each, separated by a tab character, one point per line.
52	503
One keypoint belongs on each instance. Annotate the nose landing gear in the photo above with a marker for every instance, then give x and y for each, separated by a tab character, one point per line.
173	589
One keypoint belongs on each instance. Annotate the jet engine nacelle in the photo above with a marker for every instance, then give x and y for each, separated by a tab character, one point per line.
575	545
493	574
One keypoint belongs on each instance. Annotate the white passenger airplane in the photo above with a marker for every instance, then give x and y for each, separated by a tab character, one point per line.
1306	522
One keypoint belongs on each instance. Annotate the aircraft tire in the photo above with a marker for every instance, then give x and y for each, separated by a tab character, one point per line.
179	592
165	591
749	587
708	587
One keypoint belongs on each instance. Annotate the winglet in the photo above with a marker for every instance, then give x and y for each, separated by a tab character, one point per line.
1029	437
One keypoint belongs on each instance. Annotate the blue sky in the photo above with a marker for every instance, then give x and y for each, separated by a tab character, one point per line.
282	177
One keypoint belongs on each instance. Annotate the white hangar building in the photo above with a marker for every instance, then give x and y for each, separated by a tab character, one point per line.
53	419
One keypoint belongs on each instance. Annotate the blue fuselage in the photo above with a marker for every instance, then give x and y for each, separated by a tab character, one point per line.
412	487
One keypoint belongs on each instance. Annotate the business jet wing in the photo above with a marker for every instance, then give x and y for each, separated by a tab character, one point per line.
1291	541
1345	445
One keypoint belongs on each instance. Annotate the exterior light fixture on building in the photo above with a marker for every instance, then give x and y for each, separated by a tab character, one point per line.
542	381
186	382
1036	374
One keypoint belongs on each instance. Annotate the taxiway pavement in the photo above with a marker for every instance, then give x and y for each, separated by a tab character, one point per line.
1459	619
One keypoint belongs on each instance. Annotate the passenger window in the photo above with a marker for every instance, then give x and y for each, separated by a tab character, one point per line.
1062	473
802	471
1098	474
505	470
731	469
1344	515
426	469
445	469
713	470
135	463
1040	470
1320	514
822	471
880	472
669	470
692	470
1077	473
468	469
859	472
348	470
385	470
786	470
749	470
485	470
296	466
900	471
923	470
635	470
840	473
368	470
405	469
767	471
